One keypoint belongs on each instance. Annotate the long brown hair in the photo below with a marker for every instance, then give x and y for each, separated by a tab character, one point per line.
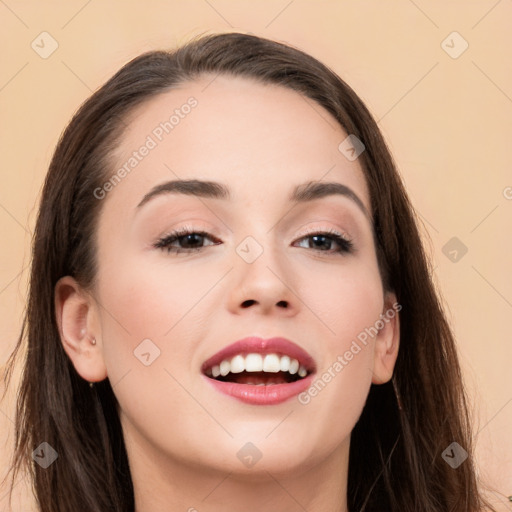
396	460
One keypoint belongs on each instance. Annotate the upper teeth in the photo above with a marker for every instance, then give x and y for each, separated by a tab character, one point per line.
271	363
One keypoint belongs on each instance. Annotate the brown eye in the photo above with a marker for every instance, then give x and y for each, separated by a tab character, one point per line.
183	240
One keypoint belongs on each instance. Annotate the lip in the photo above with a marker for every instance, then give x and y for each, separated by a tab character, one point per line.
256	345
261	395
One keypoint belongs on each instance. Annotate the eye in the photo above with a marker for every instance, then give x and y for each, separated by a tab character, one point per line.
183	240
188	240
323	238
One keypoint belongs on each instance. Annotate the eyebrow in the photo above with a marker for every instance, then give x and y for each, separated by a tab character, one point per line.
213	190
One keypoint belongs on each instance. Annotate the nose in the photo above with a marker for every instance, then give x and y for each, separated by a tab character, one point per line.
264	286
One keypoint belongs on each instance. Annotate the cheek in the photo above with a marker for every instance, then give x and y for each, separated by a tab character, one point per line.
147	301
346	301
351	306
148	318
152	306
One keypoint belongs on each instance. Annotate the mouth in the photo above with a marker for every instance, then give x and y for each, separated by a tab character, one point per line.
260	371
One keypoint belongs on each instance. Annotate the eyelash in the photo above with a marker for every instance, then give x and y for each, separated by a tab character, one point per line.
164	243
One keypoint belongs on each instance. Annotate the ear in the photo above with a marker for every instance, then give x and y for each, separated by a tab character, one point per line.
387	341
78	322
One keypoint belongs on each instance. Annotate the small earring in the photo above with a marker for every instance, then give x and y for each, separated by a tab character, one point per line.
91	384
93	341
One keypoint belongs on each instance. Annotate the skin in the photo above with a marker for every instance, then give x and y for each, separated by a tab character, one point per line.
182	436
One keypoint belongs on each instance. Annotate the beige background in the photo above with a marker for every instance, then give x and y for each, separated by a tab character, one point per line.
447	120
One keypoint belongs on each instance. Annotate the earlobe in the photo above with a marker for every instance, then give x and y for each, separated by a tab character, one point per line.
76	317
387	341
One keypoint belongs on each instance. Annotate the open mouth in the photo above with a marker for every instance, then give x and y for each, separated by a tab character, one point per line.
258	369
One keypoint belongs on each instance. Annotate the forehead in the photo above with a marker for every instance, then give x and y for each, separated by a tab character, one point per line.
260	139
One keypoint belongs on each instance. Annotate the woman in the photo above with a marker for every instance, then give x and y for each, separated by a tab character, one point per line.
230	306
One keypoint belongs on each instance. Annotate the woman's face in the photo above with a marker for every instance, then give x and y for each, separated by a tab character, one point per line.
160	314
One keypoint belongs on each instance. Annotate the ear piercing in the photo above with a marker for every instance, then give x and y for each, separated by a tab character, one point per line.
93	342
82	333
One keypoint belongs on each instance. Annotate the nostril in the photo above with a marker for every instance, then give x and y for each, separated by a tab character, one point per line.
250	302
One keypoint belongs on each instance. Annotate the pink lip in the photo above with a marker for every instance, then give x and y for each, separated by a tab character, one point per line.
261	395
255	345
